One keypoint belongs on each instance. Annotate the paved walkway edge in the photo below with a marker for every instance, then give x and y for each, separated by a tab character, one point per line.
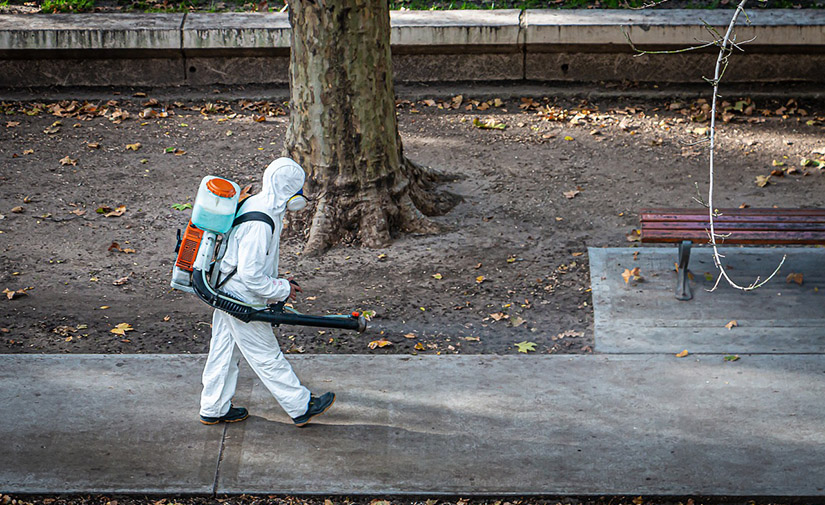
428	46
426	425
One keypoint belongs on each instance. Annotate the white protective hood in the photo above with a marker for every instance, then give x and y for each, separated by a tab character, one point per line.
253	247
282	179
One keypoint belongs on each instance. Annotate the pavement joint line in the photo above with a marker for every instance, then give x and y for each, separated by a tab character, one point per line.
220	459
182	51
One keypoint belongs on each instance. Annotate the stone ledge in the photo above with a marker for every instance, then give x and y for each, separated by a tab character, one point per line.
90	32
673	27
428	46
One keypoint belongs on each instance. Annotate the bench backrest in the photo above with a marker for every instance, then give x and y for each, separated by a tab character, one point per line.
742	226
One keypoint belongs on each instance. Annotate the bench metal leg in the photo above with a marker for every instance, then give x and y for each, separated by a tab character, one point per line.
683	291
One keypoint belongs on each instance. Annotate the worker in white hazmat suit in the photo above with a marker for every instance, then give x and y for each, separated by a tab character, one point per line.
252	253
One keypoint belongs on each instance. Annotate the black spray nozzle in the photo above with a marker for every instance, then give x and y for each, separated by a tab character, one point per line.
275	313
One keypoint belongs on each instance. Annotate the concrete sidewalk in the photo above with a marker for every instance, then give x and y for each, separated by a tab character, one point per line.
467	425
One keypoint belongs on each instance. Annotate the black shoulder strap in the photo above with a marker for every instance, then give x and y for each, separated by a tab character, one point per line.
255	216
244	218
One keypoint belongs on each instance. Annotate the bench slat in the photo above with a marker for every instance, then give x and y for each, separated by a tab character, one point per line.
742	212
733	216
739	237
735	226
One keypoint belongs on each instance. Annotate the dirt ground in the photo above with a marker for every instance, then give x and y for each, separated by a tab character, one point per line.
562	176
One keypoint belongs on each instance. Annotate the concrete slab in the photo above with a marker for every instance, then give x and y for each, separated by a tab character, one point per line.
236	30
104	424
456	28
468	425
670	27
645	317
79	32
475	425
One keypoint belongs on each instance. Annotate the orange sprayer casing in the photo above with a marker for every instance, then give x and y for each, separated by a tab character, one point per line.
189	247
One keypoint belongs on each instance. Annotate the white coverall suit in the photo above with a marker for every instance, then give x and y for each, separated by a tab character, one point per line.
253	250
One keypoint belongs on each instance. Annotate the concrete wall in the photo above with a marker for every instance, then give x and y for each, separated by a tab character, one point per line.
428	46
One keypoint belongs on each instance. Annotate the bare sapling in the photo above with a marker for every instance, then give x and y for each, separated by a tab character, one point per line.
726	44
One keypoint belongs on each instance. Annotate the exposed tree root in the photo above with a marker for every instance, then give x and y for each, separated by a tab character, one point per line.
371	217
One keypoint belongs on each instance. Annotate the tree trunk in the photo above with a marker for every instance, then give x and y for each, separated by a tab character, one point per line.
343	127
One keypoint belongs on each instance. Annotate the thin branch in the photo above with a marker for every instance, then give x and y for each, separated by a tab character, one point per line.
721	66
726	45
643	6
642	52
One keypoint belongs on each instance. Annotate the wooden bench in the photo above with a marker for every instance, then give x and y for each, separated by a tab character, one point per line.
737	226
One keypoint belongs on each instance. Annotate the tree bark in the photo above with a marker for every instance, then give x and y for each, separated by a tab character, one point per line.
343	127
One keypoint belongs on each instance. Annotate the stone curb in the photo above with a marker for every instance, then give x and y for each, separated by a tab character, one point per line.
428	46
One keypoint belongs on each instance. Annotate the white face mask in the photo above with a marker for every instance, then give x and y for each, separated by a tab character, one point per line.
297	203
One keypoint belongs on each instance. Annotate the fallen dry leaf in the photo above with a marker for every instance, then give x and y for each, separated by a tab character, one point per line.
628	274
121	281
93	145
17	210
12	294
480	279
117	212
116	247
794	277
489	124
409	335
245	192
121	329
68	161
762	180
731	325
54	128
571	194
634	236
133	147
438	276
379	343
682	354
419	346
77	212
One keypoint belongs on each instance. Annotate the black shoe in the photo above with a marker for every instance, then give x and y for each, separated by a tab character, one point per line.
317	406
234	415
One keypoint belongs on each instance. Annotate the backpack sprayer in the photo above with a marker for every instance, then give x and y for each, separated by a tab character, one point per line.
201	248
